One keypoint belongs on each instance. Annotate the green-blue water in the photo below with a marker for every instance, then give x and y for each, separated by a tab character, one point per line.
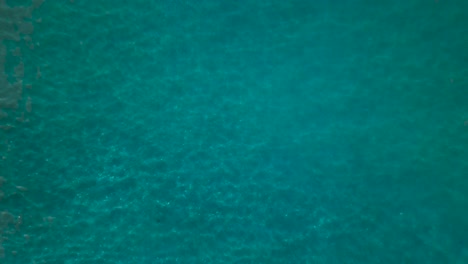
203	131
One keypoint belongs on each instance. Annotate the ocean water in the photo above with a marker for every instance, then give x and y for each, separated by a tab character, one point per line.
183	131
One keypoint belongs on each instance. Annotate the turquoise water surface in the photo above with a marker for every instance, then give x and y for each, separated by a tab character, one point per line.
202	131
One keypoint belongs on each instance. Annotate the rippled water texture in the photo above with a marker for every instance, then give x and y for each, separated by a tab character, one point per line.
233	131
